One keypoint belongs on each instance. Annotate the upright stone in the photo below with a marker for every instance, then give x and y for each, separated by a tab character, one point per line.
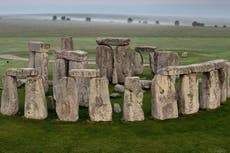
100	108
35	100
210	90
9	103
104	61
83	84
67	99
138	63
67	43
223	76
133	100
31	59
123	62
188	94
164	101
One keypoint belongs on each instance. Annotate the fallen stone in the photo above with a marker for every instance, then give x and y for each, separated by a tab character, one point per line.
100	108
22	72
119	88
67	99
146	84
145	49
115	95
76	55
67	43
113	41
36	46
133	100
117	108
84	73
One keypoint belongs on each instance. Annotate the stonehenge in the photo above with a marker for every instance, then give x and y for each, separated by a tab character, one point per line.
67	43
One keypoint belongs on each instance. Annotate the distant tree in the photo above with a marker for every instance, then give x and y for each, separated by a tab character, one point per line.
88	19
54	18
63	18
177	23
224	26
145	22
130	20
216	26
157	22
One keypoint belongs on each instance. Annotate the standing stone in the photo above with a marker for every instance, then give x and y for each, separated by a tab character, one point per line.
83	84
104	61
9	103
138	63
210	90
100	108
133	100
116	108
67	99
32	60
223	76
123	62
188	94
35	100
164	101
67	43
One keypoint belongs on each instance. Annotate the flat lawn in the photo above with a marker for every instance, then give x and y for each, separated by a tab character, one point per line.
206	131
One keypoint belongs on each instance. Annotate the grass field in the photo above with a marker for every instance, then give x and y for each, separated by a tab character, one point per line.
206	131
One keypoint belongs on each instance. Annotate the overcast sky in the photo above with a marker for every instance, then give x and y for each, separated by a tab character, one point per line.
190	8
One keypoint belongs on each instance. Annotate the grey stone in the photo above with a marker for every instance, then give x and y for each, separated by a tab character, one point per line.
67	99
76	55
115	95
146	84
36	46
147	49
104	61
223	77
83	84
85	73
22	72
164	98
78	65
119	88
51	103
9	99
210	97
188	94
67	43
133	100
113	41
117	108
100	108
138	63
35	100
21	82
31	60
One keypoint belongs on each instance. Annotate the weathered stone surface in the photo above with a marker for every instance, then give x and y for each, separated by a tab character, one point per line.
32	60
67	43
100	108
123	63
22	72
113	41
76	55
21	82
51	103
67	99
162	59
78	65
36	46
35	100
83	84
104	61
146	84
145	49
117	108
138	63
115	95
210	90
85	73
119	88
228	80
188	94
164	101
223	77
133	100
9	101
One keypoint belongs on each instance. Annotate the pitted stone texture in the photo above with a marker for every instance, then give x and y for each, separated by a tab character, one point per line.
83	84
78	65
133	100
104	61
76	55
22	72
223	76
188	94
119	88
31	60
162	59
100	108
36	46
138	63
9	102
85	73
123	63
35	100
164	99
67	99
113	41
147	49
210	90
67	43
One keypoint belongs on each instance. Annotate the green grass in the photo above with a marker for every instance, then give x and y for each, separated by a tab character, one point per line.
206	131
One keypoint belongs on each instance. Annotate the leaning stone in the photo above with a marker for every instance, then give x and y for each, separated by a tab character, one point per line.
133	100
36	46
123	62
119	88
188	94
138	63
164	99
223	76
9	102
76	55
85	73
147	49
67	99
146	84
104	61
113	41
67	43
117	108
210	90
22	72
35	100
100	108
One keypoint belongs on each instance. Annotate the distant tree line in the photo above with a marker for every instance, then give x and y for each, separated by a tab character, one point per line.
197	24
